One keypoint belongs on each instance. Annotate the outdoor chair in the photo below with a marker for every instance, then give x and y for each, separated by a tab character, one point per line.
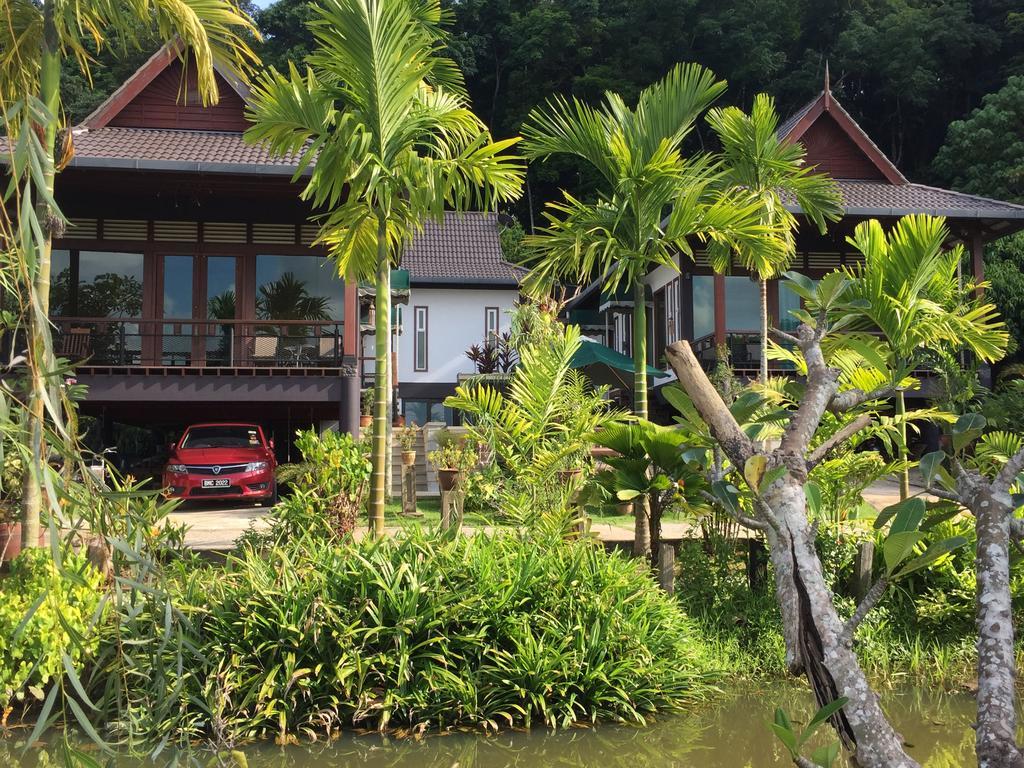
329	349
265	350
76	344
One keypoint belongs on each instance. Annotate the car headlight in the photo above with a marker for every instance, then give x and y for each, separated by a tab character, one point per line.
256	466
177	469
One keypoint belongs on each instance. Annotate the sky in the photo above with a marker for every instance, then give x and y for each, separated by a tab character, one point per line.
263	3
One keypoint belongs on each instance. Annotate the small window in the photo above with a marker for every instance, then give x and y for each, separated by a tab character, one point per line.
672	311
420	338
491	315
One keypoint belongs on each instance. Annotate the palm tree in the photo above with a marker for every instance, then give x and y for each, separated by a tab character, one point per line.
908	291
624	233
35	38
384	116
759	161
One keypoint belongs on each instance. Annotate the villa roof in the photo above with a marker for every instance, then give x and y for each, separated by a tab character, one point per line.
465	250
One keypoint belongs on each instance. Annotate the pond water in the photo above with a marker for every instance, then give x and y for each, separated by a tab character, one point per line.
731	732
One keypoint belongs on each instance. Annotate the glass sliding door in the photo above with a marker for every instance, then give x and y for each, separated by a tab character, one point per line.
221	303
177	309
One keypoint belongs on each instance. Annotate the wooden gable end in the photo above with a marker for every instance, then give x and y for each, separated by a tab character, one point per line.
165	103
833	151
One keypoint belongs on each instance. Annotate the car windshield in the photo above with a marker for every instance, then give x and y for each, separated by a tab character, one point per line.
224	436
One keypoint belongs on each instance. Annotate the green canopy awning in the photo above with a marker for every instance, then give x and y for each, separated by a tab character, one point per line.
606	366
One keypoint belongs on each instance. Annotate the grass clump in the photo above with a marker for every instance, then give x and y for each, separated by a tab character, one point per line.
436	633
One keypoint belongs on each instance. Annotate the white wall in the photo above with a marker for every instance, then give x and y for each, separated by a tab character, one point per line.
455	321
661	275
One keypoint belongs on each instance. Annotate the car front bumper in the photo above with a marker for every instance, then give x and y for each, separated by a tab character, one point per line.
243	485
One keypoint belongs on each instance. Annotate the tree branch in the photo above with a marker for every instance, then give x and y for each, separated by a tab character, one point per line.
1017	529
942	493
870	601
786	337
843	434
821	385
746	522
1008	474
851	398
709	403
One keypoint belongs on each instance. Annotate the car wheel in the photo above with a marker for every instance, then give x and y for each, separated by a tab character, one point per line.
273	497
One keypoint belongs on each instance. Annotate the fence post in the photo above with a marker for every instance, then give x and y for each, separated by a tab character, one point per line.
667	567
862	569
757	564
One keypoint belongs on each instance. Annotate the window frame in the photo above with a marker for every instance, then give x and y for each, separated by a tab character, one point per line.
489	313
418	312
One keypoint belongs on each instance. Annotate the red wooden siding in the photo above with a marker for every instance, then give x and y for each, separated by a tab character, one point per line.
165	104
831	149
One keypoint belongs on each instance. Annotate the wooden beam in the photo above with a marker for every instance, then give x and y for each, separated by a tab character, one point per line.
719	309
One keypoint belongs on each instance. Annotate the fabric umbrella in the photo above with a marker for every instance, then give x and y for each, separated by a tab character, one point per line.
603	365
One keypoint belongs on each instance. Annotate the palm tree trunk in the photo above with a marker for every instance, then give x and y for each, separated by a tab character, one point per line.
764	331
381	380
639	350
901	409
40	348
641	508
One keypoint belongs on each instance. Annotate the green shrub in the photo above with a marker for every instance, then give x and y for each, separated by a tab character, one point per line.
437	633
328	489
64	621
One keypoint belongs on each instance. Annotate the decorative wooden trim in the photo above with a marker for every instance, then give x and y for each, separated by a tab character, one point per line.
826	103
134	85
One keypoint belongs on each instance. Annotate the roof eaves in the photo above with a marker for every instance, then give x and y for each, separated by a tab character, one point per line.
118	163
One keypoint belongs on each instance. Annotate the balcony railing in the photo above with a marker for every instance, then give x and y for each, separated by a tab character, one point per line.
184	343
744	353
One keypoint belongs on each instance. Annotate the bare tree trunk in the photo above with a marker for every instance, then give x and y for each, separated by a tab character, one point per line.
996	738
641	527
824	650
785	592
830	663
381	382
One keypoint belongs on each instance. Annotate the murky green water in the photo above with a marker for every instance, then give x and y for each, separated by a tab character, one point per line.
731	732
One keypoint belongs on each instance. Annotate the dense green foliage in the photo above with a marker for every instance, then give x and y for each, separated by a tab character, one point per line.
434	633
61	628
921	632
328	487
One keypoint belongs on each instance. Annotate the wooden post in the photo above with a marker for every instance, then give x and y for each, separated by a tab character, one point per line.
667	567
720	309
446	509
862	570
757	565
409	490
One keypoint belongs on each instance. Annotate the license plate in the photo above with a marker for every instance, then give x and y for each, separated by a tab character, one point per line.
220	483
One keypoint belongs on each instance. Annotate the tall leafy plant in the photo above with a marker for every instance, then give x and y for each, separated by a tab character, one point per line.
381	122
35	40
756	159
908	291
639	155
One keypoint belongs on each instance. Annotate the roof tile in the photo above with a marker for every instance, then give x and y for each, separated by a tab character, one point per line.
466	248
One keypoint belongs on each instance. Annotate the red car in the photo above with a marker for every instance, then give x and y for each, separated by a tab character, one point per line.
222	461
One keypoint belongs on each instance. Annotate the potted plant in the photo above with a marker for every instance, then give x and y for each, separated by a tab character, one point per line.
572	467
452	459
10	511
407	438
366	408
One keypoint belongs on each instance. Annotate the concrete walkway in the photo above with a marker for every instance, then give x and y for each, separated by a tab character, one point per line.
218	528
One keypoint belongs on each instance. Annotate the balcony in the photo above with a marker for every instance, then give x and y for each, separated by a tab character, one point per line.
208	347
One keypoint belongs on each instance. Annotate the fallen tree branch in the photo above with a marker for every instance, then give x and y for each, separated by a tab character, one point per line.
843	434
870	601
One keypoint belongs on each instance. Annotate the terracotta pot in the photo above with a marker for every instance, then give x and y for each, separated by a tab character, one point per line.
366	421
10	542
624	508
447	479
569	475
398	422
409	458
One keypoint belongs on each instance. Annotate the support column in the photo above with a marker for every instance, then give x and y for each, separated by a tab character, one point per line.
348	407
977	258
719	309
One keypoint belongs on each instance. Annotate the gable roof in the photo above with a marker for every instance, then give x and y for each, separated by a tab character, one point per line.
156	65
464	250
825	106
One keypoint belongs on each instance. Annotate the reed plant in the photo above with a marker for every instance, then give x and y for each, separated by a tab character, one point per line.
433	633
